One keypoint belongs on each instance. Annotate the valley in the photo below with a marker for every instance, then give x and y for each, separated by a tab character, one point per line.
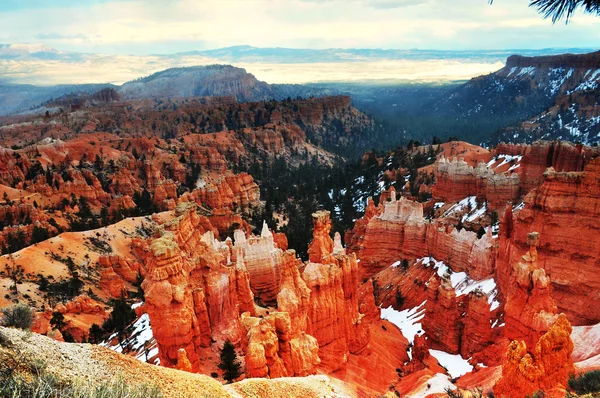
200	232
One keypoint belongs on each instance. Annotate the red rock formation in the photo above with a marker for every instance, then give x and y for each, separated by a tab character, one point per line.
183	363
169	303
421	358
561	155
456	180
76	324
263	261
321	247
294	295
399	232
476	332
529	310
333	316
565	208
194	294
117	273
275	351
547	367
326	313
462	250
443	325
398	229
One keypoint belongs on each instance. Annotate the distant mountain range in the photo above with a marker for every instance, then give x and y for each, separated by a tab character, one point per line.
195	81
246	53
523	89
547	96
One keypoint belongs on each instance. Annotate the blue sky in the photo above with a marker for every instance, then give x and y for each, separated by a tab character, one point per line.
167	26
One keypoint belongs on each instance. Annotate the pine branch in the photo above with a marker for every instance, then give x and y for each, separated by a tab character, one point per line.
559	9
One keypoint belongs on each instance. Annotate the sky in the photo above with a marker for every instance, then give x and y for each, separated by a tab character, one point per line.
137	27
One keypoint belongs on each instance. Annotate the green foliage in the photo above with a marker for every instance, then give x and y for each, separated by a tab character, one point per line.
15	272
15	242
585	383
559	9
43	283
39	234
67	289
17	316
95	334
35	170
192	176
144	202
229	362
37	382
297	192
121	316
57	321
85	218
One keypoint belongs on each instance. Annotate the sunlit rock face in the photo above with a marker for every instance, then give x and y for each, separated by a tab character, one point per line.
455	179
545	366
566	208
397	229
264	262
333	310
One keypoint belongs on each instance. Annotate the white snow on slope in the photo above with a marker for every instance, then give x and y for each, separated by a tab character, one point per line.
462	283
407	320
141	334
470	201
473	208
438	384
455	364
505	159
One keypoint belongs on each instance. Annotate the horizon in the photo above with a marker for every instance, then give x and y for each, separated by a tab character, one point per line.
41	65
240	46
140	27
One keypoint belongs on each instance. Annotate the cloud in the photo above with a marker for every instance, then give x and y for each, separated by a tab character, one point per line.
61	36
379	4
388	4
153	26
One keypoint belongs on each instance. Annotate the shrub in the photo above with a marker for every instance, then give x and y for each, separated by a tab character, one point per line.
585	383
17	316
4	340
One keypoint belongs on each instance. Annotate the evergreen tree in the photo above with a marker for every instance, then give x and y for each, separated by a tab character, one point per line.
95	334
58	321
120	317
229	362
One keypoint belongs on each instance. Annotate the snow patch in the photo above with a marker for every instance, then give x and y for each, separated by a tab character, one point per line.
455	364
408	321
139	340
438	384
463	284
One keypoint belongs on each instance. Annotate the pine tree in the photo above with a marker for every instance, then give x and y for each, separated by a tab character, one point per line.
229	362
95	334
57	321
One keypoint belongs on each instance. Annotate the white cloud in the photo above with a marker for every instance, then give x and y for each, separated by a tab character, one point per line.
125	26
